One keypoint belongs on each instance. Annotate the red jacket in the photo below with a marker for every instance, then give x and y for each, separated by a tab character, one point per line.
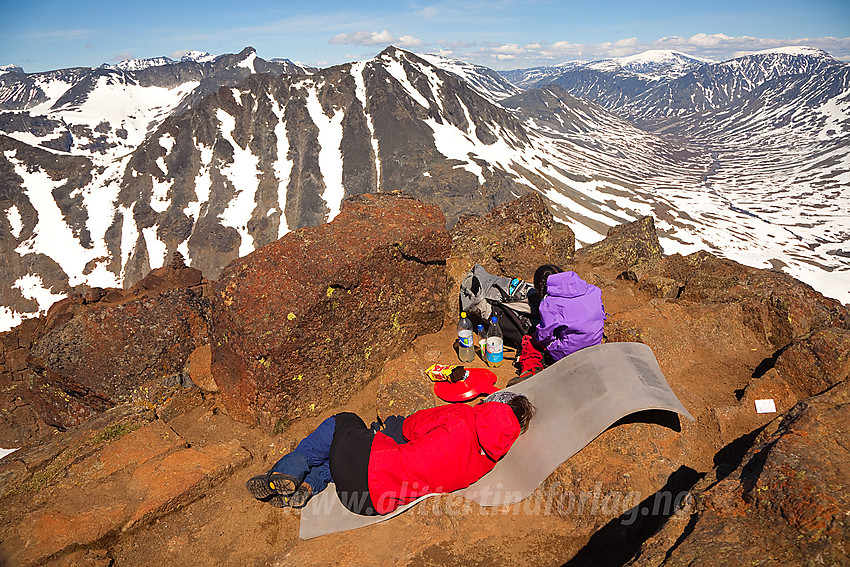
448	448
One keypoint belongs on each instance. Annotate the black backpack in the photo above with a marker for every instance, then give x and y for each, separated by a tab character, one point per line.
512	300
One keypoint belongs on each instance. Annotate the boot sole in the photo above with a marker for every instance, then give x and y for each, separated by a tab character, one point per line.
281	483
259	487
264	486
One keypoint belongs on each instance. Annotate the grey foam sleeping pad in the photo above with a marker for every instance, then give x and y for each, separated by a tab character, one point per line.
576	398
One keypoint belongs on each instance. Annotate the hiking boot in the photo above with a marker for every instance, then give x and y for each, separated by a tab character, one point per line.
297	499
264	486
301	496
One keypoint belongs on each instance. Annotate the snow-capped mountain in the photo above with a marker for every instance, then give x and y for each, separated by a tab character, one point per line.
139	64
242	166
535	77
782	155
713	86
109	110
489	84
655	64
647	68
10	69
190	56
202	57
668	83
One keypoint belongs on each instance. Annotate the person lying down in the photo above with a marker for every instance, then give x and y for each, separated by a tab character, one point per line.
377	469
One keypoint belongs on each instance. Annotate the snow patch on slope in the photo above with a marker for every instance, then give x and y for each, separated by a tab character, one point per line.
129	236
395	68
13	215
157	249
126	105
52	236
243	175
357	70
203	184
330	151
32	287
282	166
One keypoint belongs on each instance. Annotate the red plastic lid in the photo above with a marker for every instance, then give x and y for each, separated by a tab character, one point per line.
478	381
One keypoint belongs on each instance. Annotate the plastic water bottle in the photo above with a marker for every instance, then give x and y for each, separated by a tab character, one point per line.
482	342
465	348
495	344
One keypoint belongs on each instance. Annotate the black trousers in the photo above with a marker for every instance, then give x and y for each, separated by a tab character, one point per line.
349	463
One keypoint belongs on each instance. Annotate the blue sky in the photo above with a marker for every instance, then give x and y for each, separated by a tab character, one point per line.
503	34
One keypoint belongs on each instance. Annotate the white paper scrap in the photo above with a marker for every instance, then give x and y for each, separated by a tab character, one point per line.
4	452
765	406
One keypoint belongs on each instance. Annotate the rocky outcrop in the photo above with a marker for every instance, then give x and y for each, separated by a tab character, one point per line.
102	357
101	347
302	323
816	361
300	328
776	305
511	240
626	247
785	504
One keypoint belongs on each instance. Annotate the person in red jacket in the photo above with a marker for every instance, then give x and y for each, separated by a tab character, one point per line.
440	449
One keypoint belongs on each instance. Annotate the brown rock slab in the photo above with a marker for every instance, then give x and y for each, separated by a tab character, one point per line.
131	450
813	363
84	558
175	275
51	530
742	416
300	324
786	504
199	368
16	359
659	286
776	305
164	485
104	481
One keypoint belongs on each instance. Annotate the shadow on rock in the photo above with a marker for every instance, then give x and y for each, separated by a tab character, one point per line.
664	418
620	539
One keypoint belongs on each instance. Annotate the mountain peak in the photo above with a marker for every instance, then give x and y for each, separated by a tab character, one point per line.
197	56
10	69
659	56
653	64
139	64
794	50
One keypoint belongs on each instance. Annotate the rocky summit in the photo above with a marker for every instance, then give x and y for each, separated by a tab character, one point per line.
140	413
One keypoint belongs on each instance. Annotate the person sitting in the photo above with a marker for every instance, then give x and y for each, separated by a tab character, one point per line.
572	317
440	449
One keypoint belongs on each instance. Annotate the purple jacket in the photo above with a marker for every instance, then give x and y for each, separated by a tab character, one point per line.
571	315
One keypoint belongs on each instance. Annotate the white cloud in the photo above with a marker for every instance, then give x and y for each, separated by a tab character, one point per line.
627	42
717	46
122	57
408	41
364	38
510	49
